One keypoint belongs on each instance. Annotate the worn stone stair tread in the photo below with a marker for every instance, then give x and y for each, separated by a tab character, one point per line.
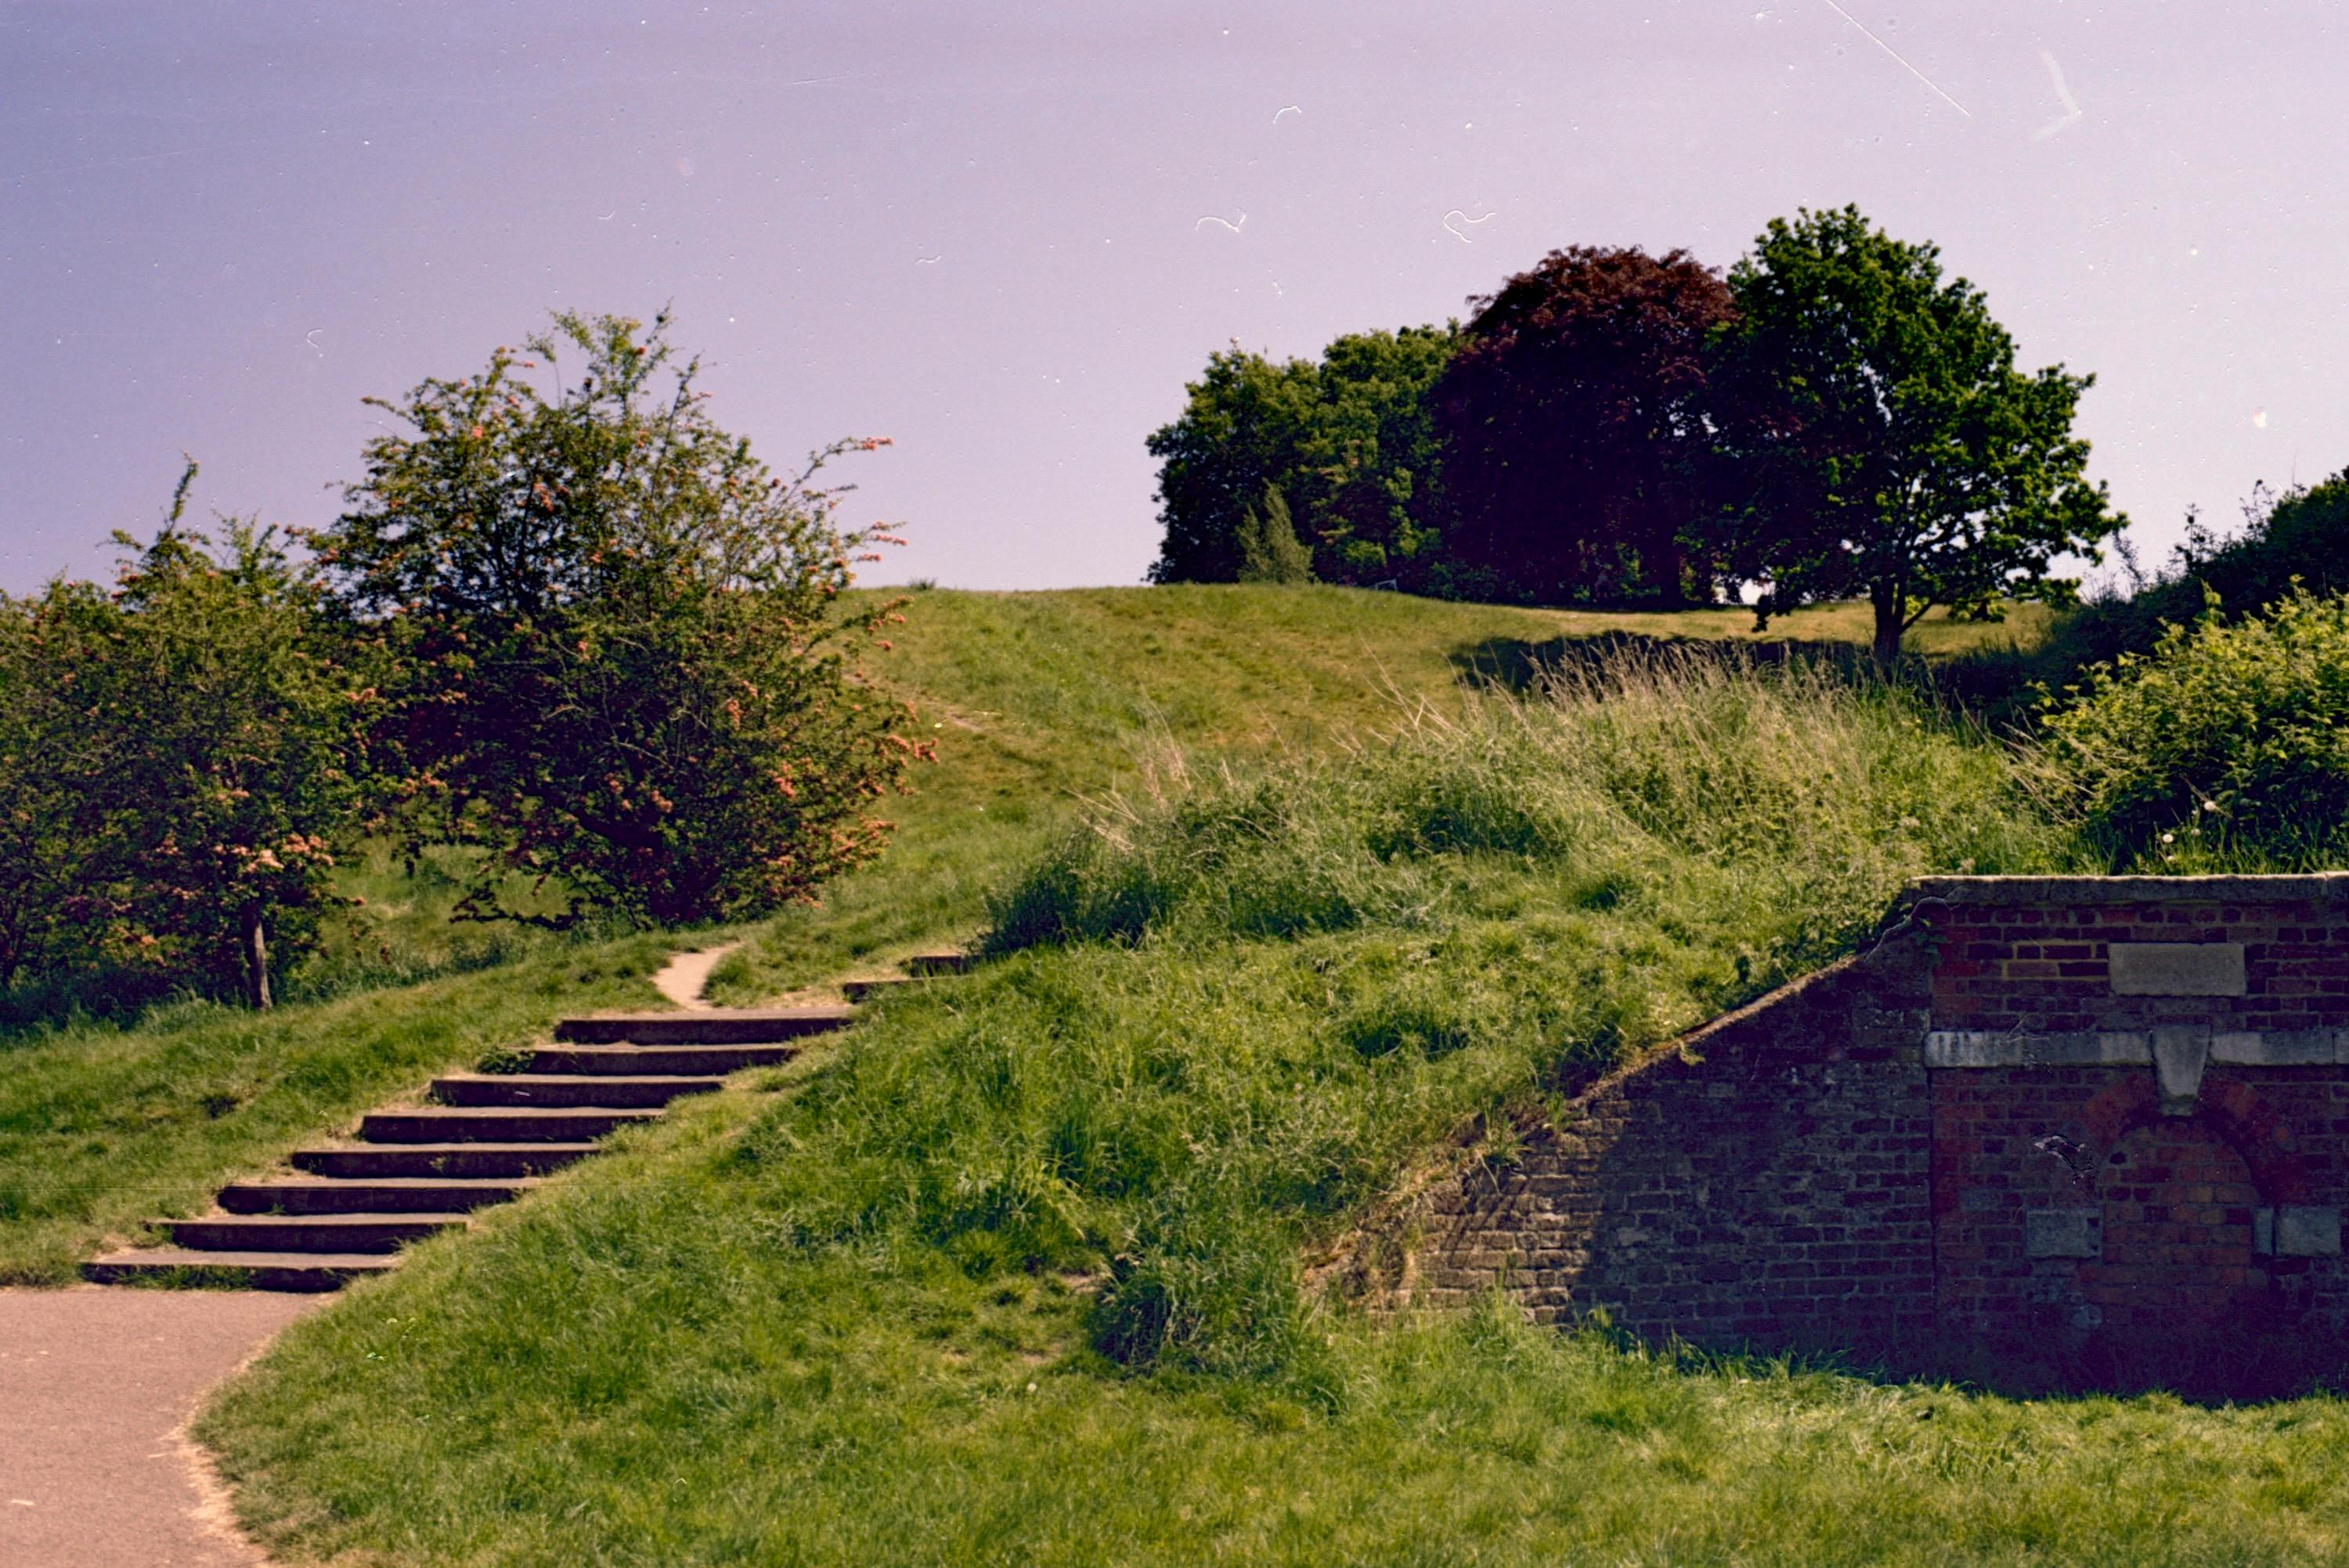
391	1194
499	1124
865	986
944	960
433	1162
633	1059
586	1091
703	1026
360	1232
268	1271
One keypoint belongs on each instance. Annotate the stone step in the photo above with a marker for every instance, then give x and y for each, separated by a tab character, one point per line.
339	1234
467	1124
550	1089
440	1161
922	965
382	1195
709	1026
250	1271
684	1060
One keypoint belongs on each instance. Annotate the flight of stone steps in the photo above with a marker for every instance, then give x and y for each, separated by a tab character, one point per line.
487	1139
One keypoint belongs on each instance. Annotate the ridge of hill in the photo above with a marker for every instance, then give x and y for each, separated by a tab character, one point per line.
1041	700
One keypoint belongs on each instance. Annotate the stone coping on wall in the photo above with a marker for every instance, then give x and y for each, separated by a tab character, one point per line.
2008	892
1946	1048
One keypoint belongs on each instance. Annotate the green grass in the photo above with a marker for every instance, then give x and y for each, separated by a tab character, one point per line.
106	1128
1041	701
1012	1273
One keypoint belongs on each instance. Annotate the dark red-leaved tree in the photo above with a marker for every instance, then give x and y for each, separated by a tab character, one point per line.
1572	416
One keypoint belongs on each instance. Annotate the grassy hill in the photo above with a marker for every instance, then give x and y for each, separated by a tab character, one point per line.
1010	1274
1039	701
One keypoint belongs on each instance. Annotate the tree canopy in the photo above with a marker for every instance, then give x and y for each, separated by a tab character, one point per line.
1876	440
622	669
1573	418
179	757
1349	439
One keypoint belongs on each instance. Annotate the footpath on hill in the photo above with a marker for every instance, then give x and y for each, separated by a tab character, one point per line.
97	1386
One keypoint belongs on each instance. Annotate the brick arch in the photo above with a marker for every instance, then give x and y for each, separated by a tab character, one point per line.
2234	1110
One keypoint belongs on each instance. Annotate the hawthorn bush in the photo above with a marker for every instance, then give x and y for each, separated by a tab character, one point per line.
178	757
622	670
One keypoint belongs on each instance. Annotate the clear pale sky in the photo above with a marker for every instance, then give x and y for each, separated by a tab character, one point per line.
1006	235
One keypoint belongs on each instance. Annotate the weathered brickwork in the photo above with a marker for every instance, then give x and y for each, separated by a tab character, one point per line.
1764	1179
2104	1114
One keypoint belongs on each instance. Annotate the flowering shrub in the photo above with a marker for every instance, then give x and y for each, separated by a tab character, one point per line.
175	757
2227	746
622	669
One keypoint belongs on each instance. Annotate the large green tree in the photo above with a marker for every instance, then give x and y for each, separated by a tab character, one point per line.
1878	441
1348	439
624	671
1574	415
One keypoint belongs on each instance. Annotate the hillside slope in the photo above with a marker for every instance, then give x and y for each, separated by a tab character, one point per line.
1039	701
1010	1273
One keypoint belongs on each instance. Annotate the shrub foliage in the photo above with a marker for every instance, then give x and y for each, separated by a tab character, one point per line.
621	669
178	757
2228	746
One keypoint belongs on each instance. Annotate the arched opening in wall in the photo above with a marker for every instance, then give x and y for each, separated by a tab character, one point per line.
2178	1213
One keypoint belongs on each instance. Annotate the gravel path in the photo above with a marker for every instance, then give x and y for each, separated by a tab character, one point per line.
95	1386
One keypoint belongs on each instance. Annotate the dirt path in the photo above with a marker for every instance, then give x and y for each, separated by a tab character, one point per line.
95	1386
682	978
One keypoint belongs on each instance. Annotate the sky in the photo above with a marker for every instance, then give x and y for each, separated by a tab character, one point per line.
1006	235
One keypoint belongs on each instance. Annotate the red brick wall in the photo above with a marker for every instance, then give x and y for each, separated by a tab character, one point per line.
2005	1128
1764	1179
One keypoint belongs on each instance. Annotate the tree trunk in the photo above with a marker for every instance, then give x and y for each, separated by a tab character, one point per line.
1890	605
256	958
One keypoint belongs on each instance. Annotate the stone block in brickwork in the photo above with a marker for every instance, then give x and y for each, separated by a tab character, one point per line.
2177	968
2305	1230
2063	1233
2277	1048
2180	1052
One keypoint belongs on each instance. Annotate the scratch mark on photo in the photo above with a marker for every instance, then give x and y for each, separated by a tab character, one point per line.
1896	55
1461	235
1296	109
2072	112
1211	218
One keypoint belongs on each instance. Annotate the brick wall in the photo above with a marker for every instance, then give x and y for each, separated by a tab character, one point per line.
2105	1120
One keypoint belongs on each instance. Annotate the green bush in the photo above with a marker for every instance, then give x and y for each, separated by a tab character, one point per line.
178	761
623	670
2227	746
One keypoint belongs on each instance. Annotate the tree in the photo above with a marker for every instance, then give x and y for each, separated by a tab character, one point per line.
180	755
625	672
1349	438
1877	438
1243	427
48	758
1270	551
1573	416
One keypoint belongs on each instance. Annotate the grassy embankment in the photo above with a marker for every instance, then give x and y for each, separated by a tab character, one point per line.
1037	698
1010	1273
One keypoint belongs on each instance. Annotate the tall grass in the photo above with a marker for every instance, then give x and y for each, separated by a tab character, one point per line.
1651	777
1342	957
